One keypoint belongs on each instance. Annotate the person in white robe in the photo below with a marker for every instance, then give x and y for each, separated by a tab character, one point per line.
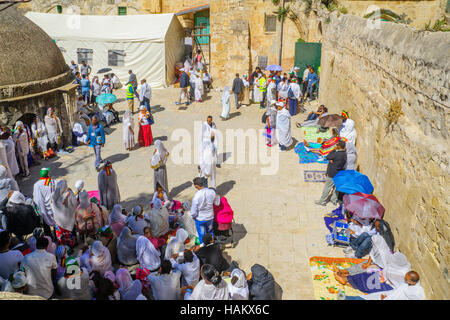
54	129
283	127
165	285
211	287
40	134
126	247
226	103
257	95
5	185
4	163
99	258
158	164
283	88
7	142
238	288
22	147
147	255
198	88
271	91
176	244
159	219
138	220
129	289
107	115
42	196
350	149
79	133
188	264
64	206
128	130
348	131
208	130
208	162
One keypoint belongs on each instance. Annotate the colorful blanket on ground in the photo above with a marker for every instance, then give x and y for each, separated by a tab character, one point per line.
308	157
314	176
324	283
310	134
333	216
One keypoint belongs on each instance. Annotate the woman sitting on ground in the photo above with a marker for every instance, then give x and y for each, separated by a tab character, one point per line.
211	287
324	147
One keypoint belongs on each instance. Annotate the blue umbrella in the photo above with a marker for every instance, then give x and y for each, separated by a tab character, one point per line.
351	181
274	67
106	98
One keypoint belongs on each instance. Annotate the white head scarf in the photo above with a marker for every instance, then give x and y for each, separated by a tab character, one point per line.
123	279
239	290
348	131
19	124
64	205
380	251
128	121
79	185
176	244
226	95
116	215
126	247
160	157
159	219
101	257
16	198
397	265
147	254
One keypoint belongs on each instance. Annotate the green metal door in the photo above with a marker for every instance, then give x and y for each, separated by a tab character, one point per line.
307	53
202	20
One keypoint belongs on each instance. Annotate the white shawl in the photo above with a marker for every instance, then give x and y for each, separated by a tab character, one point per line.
147	254
238	291
160	156
397	265
348	131
100	259
176	244
283	126
380	251
203	291
64	206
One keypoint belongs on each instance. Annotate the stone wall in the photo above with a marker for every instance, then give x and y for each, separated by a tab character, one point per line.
420	12
363	71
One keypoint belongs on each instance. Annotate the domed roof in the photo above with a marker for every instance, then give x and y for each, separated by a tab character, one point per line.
27	53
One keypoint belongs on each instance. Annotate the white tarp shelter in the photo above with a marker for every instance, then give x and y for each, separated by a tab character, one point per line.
150	44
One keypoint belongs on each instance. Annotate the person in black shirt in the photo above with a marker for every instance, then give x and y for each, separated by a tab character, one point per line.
337	159
211	254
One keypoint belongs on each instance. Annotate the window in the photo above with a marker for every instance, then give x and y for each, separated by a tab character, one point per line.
122	11
116	58
59	9
270	23
262	62
85	55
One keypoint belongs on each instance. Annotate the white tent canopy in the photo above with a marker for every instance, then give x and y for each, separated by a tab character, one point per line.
150	44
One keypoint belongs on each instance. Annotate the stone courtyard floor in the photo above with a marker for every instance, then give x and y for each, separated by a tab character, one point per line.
277	223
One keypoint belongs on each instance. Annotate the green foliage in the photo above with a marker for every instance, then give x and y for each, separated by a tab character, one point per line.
343	10
282	12
275	2
300	40
439	25
328	20
388	15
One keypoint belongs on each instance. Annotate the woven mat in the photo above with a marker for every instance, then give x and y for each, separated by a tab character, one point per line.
310	134
314	176
324	283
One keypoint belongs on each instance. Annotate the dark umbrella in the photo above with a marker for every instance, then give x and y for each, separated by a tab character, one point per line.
365	206
104	70
331	121
351	181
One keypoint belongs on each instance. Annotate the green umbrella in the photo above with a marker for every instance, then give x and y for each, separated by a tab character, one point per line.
106	98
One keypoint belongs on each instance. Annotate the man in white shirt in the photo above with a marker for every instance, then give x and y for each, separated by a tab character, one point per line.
40	268
74	67
305	80
165	286
189	267
10	260
145	95
202	208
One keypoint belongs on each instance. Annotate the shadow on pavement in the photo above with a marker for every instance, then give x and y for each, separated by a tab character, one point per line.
225	187
222	157
233	115
162	138
178	189
117	157
157	108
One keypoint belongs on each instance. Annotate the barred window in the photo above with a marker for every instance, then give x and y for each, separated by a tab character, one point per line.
262	62
85	55
122	11
270	23
116	58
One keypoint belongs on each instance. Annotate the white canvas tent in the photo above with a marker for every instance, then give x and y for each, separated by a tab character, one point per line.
150	45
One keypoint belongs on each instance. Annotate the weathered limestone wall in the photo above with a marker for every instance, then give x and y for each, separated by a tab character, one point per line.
420	12
363	70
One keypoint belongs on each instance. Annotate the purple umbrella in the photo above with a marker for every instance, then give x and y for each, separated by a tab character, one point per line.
365	206
274	67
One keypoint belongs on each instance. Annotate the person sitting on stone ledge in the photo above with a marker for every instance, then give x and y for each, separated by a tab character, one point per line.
313	117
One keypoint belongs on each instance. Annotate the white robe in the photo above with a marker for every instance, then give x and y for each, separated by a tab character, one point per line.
10	146
348	131
203	291
207	131
256	93
198	88
402	292
54	129
40	134
147	255
127	124
4	162
271	92
295	89
283	90
78	129
159	221
226	102
42	196
64	206
208	163
283	125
